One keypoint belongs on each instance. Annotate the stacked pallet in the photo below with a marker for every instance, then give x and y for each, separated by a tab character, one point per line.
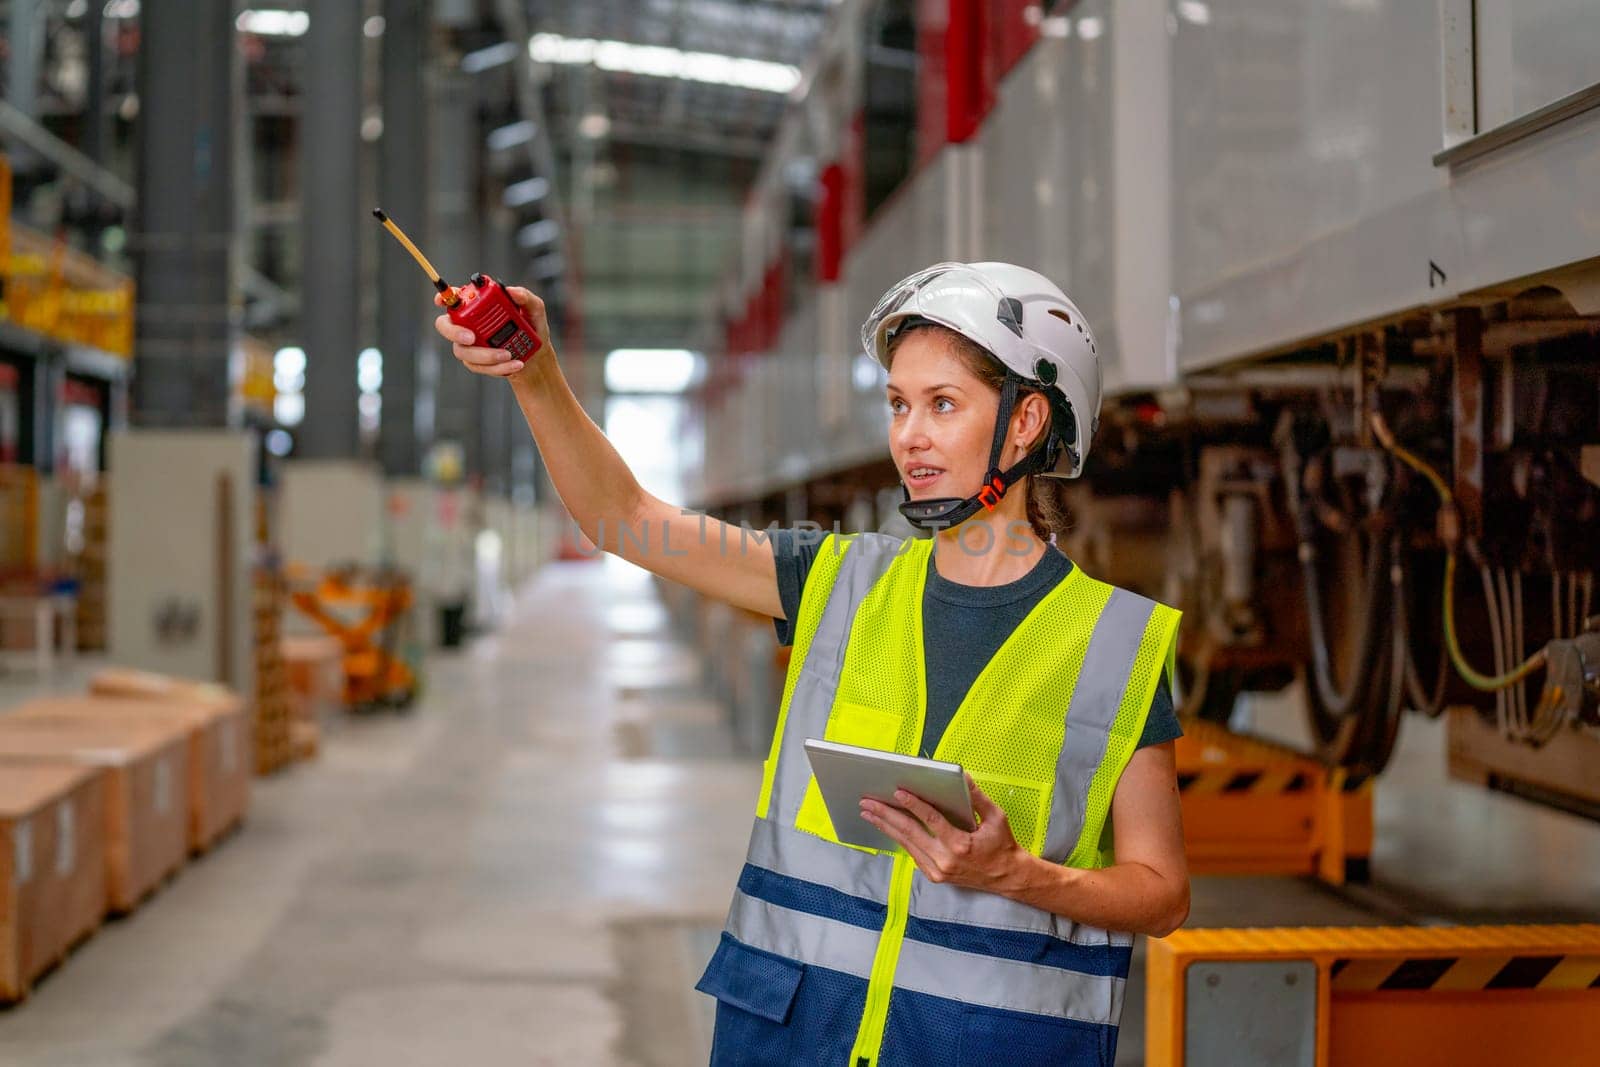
274	736
89	567
53	888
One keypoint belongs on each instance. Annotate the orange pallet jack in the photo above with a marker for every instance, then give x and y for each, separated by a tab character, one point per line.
367	611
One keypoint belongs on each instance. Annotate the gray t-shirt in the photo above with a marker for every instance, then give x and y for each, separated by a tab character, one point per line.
963	626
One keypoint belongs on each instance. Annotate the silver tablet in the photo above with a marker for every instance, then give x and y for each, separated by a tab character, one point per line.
846	773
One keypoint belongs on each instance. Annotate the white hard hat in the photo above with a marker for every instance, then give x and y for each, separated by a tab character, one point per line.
1026	323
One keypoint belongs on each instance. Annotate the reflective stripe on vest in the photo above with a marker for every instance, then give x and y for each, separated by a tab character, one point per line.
807	897
1106	666
787	851
986	981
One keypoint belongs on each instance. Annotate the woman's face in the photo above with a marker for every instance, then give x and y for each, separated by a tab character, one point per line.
941	419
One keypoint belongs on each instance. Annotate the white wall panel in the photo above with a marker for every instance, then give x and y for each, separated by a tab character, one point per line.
1143	350
909	232
412	509
798	349
1051	193
1532	53
1305	196
1530	206
331	512
181	597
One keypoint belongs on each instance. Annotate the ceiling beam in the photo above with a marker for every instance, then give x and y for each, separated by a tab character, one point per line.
696	141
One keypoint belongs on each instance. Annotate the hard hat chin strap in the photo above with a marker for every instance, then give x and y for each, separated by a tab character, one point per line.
941	513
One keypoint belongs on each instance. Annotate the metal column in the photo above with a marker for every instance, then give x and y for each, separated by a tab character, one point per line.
26	35
456	152
330	216
94	131
404	306
185	217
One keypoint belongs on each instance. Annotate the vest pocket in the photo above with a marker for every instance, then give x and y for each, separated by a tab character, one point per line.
1025	805
755	992
867	727
849	724
994	1038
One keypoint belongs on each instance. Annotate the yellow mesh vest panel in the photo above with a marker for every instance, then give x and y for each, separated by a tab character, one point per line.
819	583
1008	730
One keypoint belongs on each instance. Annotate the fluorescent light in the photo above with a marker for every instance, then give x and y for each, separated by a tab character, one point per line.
538	233
289	370
374	26
496	55
369	370
652	370
272	22
594	126
510	136
553	48
121	9
1090	28
659	62
1195	11
289	408
527	191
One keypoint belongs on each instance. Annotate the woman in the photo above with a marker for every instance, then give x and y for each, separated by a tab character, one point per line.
981	645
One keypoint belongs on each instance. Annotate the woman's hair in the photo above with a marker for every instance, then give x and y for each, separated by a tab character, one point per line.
1047	505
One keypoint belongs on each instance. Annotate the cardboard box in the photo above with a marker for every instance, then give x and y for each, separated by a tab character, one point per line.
146	768
53	890
127	682
316	675
220	761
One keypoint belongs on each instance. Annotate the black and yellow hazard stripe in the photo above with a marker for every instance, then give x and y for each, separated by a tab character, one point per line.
1466	973
1223	780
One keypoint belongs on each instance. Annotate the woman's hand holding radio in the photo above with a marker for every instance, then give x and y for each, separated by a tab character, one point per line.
494	362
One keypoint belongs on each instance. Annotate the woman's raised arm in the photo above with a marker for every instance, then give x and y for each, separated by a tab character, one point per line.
602	494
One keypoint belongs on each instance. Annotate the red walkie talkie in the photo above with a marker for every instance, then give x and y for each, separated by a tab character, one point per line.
482	305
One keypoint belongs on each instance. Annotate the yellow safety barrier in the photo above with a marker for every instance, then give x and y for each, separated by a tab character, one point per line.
1251	807
1375	997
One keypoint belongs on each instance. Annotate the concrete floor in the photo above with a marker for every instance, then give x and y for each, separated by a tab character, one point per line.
531	867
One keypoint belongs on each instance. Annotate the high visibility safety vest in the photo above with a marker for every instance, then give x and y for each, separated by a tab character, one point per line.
847	957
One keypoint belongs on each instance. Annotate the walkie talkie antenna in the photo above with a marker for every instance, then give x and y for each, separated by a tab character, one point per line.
444	287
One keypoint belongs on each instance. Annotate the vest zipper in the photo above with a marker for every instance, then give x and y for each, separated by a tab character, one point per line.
869	1038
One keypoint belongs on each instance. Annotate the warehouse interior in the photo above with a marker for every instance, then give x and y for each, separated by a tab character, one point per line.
342	724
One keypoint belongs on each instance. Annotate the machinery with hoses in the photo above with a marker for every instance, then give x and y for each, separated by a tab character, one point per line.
1380	613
